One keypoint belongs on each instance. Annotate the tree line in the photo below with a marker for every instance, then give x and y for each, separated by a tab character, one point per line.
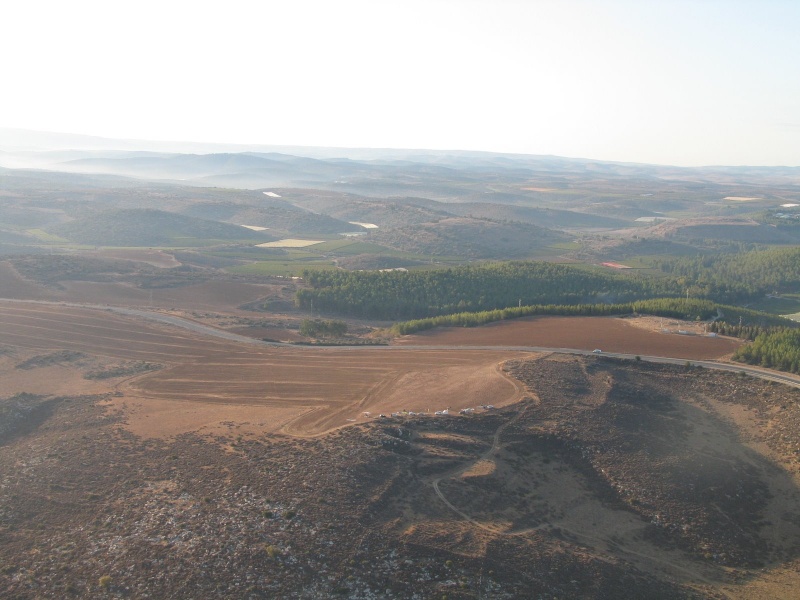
671	308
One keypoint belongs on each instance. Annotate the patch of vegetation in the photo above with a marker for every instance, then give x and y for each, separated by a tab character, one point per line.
205	259
46	237
124	370
282	267
783	304
374	262
50	269
22	413
47	360
318	328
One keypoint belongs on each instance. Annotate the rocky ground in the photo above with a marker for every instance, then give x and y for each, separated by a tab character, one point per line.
610	480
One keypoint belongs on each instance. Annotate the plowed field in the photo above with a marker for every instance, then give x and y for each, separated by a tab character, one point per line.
209	295
299	390
606	333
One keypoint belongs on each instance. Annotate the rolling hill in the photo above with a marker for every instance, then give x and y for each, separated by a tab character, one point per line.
470	238
147	227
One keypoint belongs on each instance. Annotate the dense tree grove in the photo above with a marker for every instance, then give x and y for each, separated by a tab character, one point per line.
745	332
776	350
737	277
395	295
419	294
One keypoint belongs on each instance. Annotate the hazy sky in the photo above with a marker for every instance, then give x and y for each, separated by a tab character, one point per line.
662	81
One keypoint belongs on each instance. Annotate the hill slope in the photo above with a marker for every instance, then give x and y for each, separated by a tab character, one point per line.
148	227
470	238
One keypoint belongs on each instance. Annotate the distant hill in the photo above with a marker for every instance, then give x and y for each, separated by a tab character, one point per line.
293	221
543	217
385	214
470	238
734	230
147	227
278	217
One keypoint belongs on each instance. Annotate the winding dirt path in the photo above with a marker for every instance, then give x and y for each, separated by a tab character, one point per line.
485	456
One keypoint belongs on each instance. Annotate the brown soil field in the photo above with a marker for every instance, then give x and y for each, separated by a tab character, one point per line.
209	296
303	391
609	334
212	295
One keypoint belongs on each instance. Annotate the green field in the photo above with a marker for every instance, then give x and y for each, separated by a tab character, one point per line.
785	304
268	268
45	237
350	247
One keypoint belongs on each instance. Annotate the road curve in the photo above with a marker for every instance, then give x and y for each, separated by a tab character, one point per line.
761	373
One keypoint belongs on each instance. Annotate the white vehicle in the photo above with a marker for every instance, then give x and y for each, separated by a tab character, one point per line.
597	351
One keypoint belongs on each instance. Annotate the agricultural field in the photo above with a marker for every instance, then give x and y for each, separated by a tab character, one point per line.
303	391
624	335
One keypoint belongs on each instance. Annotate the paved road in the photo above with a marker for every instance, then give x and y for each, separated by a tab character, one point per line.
785	378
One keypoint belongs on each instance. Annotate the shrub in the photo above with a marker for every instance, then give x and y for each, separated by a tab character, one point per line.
320	328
